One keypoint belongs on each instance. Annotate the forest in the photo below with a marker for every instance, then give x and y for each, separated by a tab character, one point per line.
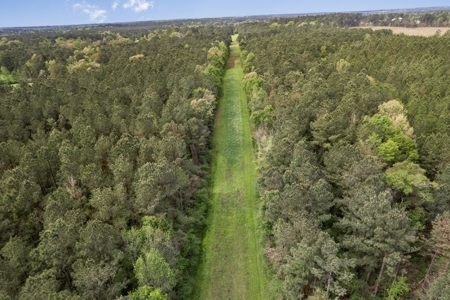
351	128
104	140
106	150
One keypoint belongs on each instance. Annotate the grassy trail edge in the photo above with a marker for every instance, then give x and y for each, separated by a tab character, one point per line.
233	265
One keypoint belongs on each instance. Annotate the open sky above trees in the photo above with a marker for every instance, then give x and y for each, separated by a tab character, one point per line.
66	12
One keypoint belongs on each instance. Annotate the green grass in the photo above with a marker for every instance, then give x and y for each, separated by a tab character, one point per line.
233	265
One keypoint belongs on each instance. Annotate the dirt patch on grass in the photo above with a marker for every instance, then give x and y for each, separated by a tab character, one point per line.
224	200
229	173
241	197
216	119
231	63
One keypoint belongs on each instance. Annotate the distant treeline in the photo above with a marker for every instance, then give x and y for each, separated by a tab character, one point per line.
420	17
398	19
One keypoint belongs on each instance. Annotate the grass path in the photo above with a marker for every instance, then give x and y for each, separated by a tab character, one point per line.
233	265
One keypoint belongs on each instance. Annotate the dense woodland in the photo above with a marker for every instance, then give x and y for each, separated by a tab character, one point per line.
104	140
352	134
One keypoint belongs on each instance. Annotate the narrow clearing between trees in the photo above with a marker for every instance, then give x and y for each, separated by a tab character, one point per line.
233	265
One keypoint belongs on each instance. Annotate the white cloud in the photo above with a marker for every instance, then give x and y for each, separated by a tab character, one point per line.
138	5
93	11
114	5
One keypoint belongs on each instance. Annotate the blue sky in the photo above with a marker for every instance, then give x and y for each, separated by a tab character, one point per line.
64	12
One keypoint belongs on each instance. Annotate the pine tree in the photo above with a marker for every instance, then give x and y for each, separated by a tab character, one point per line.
376	233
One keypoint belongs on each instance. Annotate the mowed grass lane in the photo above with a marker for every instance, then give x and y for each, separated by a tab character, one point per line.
233	266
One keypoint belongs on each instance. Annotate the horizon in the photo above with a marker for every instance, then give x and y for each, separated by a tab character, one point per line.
96	12
230	17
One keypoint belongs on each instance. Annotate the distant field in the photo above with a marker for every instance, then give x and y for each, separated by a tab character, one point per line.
421	31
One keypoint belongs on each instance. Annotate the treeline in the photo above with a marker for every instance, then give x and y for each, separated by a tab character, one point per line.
410	19
28	56
351	129
142	26
440	18
104	158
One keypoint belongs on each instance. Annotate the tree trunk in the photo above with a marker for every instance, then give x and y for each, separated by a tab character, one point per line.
194	154
328	283
67	277
429	268
377	284
368	276
53	175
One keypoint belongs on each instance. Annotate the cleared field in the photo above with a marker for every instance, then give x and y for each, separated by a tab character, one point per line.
233	265
419	31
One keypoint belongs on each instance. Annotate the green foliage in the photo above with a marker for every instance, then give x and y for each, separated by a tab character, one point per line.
319	294
317	258
389	152
15	260
399	288
274	25
440	287
382	125
92	144
388	134
263	117
155	233
215	57
247	62
153	270
440	194
96	280
148	293
418	218
109	205
5	76
252	82
407	177
342	66
374	229
215	74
